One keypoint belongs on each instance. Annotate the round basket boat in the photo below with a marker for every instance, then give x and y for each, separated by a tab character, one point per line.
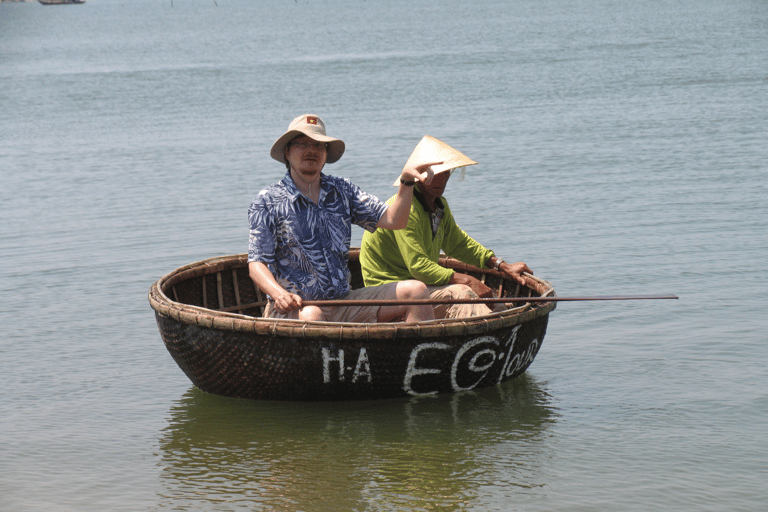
209	316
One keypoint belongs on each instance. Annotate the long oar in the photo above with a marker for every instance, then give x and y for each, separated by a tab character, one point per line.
417	302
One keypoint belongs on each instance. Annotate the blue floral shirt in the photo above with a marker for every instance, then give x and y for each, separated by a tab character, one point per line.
306	245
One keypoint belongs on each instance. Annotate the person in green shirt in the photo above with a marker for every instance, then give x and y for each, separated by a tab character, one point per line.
412	253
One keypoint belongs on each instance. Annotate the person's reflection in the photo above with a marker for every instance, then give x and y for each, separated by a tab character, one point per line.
297	455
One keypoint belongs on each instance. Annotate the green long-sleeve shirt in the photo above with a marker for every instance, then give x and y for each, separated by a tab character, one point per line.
412	253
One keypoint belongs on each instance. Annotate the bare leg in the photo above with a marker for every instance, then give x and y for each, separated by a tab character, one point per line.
311	314
410	289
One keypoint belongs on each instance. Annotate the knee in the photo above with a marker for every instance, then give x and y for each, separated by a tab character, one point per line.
311	314
412	289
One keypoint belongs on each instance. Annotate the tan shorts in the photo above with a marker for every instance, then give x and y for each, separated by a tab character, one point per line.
358	314
458	291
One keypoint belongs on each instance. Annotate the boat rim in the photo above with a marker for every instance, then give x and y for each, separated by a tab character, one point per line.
224	320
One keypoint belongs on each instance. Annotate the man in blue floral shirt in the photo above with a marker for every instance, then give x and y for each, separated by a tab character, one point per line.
300	233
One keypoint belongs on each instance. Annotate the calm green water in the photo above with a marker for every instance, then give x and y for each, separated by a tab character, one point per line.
622	150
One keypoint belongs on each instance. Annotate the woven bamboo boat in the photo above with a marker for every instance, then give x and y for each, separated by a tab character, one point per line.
209	316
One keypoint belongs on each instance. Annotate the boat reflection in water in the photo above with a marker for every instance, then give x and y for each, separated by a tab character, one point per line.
402	452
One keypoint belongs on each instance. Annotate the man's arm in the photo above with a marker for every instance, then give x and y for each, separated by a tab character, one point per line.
263	278
396	216
477	286
512	270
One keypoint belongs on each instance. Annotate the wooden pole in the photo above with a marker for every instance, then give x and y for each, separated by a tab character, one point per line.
419	302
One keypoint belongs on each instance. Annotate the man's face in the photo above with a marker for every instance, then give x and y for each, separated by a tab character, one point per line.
306	156
437	186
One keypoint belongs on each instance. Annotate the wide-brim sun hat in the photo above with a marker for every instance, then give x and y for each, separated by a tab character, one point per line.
314	128
430	149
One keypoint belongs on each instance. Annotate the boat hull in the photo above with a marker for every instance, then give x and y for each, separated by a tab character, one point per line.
243	356
290	368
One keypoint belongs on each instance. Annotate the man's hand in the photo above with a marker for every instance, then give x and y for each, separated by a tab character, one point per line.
421	172
396	216
263	278
286	301
475	284
515	271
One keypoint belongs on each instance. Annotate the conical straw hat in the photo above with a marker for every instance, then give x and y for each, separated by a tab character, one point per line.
430	149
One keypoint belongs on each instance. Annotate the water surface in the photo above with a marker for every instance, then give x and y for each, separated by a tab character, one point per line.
622	151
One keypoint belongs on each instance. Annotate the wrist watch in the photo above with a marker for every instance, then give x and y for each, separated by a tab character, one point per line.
499	261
